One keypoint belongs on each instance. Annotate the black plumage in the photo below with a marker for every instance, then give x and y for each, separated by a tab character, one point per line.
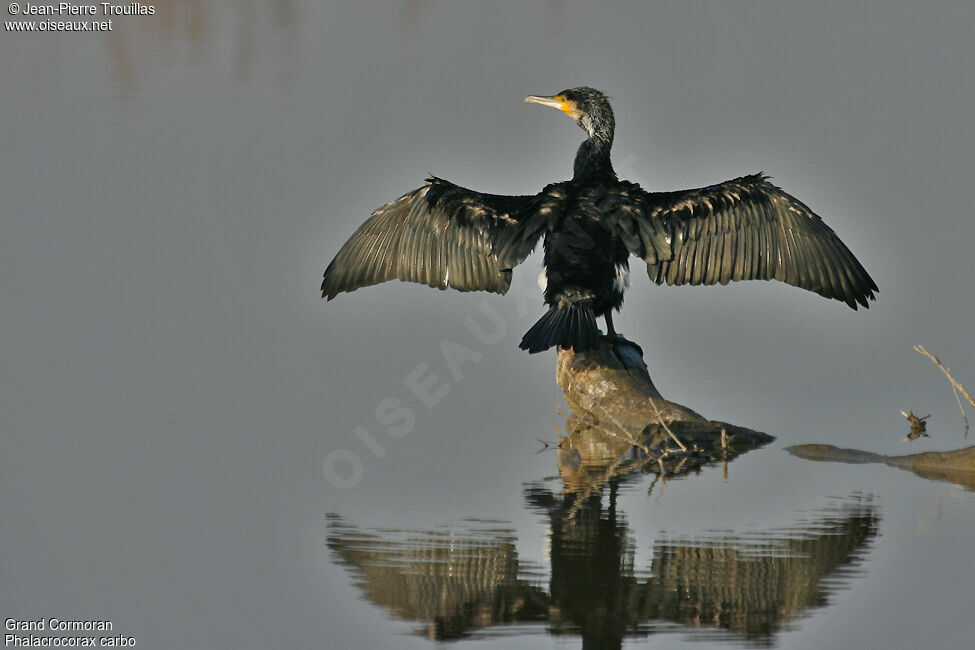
445	236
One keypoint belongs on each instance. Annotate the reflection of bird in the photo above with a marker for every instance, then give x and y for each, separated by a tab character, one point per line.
444	236
464	578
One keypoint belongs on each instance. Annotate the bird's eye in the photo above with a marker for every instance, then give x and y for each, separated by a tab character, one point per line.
562	99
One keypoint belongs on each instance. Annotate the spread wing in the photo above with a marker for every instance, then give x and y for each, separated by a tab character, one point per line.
747	229
441	235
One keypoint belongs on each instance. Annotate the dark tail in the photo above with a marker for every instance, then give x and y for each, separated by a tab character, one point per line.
569	327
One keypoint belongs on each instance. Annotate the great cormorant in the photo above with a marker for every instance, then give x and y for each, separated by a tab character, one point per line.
444	236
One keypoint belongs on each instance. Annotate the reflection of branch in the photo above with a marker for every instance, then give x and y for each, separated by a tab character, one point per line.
956	467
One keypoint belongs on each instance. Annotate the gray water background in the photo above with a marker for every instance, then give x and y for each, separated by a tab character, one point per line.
172	383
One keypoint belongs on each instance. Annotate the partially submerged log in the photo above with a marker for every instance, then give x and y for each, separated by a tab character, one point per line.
618	413
956	467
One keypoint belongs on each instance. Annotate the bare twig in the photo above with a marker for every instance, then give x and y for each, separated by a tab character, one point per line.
962	408
920	350
666	428
680	465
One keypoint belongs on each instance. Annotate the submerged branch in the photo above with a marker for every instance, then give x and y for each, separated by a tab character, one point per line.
956	467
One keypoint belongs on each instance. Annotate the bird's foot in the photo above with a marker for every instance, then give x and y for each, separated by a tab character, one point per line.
616	341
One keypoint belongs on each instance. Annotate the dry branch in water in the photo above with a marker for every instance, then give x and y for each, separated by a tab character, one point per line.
918	427
954	382
660	419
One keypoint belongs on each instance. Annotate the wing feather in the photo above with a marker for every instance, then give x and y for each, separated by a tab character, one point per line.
743	229
441	235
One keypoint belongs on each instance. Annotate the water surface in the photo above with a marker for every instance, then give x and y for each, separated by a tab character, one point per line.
173	386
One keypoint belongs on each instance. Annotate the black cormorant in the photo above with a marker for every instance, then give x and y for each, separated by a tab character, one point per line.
444	236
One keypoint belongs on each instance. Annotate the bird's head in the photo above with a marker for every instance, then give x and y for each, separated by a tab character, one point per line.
588	107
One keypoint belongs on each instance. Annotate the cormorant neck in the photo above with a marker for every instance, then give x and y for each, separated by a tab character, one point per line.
592	158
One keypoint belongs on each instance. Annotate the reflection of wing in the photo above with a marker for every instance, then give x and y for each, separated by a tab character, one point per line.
754	584
748	229
461	578
453	580
440	235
